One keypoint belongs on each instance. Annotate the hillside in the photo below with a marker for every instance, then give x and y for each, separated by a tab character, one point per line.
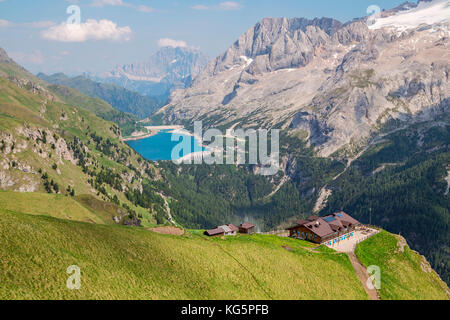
401	267
120	98
400	183
127	263
51	141
84	208
10	70
126	122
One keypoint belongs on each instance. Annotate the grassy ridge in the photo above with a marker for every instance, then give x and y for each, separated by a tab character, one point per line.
128	263
120	98
107	155
83	208
405	275
59	206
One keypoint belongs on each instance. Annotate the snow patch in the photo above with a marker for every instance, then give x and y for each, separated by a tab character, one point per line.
437	11
248	61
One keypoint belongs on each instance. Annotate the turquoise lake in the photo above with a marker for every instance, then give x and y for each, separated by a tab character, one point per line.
159	147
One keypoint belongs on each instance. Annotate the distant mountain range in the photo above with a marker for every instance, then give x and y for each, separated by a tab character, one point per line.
168	69
121	99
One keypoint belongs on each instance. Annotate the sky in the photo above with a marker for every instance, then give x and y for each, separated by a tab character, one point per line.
44	37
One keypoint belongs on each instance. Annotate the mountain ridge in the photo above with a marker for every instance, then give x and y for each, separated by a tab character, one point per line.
168	69
121	99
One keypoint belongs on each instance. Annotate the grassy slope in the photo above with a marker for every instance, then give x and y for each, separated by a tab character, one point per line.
402	276
20	107
126	121
129	263
47	204
84	208
22	110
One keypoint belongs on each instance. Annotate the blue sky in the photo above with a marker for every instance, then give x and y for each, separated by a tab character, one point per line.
116	32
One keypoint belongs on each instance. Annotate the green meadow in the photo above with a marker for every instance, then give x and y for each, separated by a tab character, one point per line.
405	274
119	262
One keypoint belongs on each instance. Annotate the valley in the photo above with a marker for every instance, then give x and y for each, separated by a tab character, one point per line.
88	175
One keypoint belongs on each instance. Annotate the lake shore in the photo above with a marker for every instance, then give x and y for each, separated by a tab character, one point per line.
139	137
153	130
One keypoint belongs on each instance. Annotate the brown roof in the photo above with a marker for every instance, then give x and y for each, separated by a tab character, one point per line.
334	227
346	217
246	225
322	228
215	232
327	225
338	224
222	229
345	223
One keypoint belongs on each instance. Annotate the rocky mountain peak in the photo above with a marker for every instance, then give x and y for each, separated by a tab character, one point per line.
172	62
339	83
276	43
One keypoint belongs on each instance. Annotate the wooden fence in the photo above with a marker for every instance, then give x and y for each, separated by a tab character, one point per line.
279	233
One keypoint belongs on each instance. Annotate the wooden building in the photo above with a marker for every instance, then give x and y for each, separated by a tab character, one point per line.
247	228
323	229
225	230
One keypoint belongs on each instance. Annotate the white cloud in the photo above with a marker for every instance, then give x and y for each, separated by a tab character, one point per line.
200	7
223	6
90	30
166	42
229	5
101	3
121	3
